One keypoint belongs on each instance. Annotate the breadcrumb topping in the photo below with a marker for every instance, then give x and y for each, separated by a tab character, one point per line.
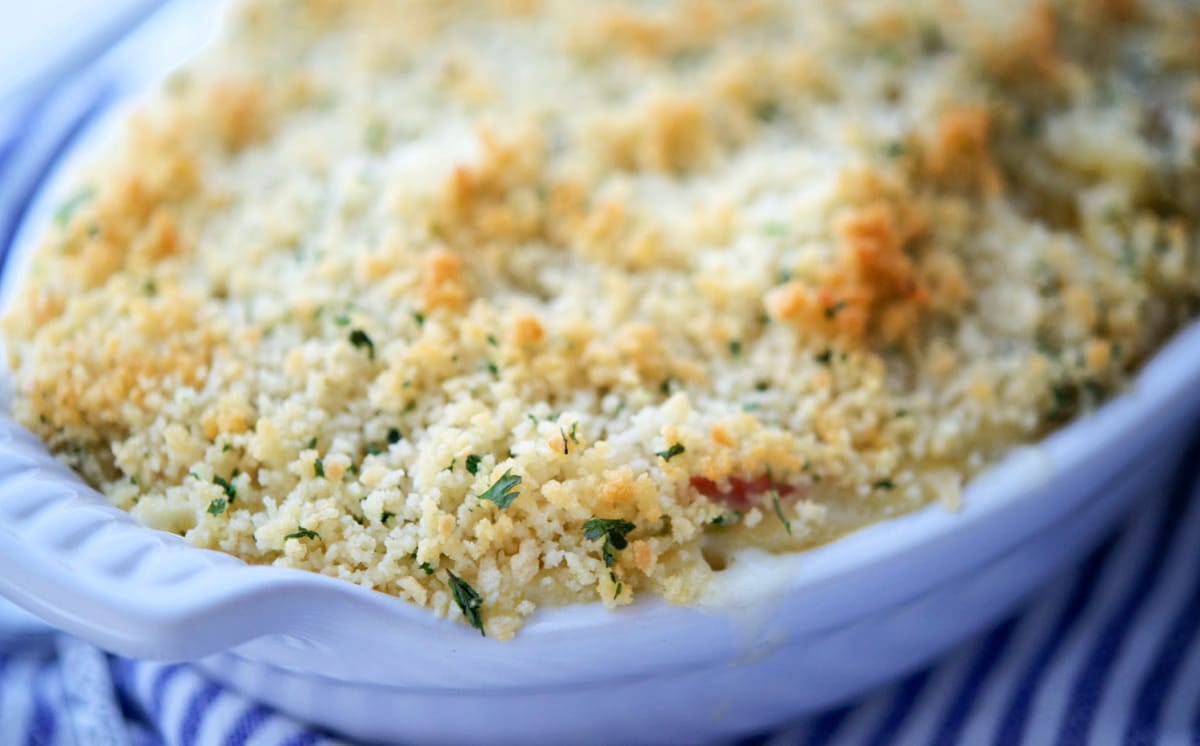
520	303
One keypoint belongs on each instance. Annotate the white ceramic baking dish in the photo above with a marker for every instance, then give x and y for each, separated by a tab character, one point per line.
776	637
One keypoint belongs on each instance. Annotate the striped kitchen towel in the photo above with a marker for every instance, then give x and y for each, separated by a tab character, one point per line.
1107	654
59	691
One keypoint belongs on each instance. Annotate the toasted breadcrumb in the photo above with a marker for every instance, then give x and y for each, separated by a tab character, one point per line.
412	294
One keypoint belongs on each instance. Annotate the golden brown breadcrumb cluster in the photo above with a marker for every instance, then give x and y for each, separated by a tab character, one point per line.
519	303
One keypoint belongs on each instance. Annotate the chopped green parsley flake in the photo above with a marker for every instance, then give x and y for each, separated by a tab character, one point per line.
428	568
779	512
217	506
824	357
727	519
302	533
223	483
468	601
735	347
613	531
472	464
672	452
359	339
884	484
504	490
393	436
319	467
419	318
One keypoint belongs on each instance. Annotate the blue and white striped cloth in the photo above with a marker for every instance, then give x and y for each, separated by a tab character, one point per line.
1107	654
59	691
